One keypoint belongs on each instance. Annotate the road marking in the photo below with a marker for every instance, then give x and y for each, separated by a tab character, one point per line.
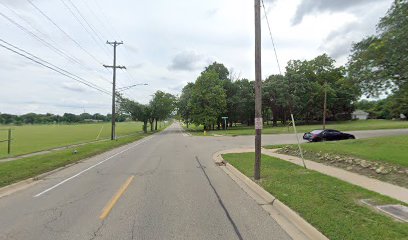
89	168
106	210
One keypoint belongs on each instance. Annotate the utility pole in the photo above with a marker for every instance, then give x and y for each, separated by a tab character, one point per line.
114	44
258	91
325	105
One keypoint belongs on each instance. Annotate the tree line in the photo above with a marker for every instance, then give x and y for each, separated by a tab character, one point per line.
377	65
215	95
49	118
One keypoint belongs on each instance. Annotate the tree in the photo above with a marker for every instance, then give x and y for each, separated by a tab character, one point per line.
184	103
208	99
276	97
219	68
246	101
379	63
137	111
162	105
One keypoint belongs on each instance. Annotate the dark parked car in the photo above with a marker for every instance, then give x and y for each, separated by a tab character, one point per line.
326	135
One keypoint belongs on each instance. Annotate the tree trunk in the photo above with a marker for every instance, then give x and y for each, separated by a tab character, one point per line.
151	125
155	127
274	115
187	123
145	126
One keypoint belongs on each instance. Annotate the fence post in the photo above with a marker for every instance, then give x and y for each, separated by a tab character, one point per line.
9	141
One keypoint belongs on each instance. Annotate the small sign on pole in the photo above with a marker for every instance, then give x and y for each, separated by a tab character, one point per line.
225	121
258	123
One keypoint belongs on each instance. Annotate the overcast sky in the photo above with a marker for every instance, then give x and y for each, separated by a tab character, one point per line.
166	44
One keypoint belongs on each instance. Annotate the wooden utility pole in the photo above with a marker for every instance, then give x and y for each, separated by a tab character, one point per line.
325	105
114	67
258	91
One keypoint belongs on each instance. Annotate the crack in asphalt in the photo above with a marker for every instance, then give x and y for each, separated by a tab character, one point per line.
133	229
219	199
95	233
150	172
57	214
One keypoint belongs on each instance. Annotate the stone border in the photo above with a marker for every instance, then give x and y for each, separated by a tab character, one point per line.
289	220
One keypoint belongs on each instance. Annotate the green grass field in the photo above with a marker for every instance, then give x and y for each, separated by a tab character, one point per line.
21	169
34	138
393	149
329	204
341	126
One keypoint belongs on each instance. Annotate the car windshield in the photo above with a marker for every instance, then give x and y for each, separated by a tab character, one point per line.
316	131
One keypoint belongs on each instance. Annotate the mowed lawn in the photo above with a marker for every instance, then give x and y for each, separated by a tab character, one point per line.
393	149
34	138
371	124
331	205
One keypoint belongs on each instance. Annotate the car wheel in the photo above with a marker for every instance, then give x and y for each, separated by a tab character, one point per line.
351	137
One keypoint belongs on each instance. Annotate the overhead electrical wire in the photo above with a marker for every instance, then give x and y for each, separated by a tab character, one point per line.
270	33
108	23
92	34
57	50
48	45
23	53
86	22
65	33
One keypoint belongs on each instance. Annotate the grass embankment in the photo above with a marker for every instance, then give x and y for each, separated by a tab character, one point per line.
383	158
18	170
268	129
34	138
392	149
329	204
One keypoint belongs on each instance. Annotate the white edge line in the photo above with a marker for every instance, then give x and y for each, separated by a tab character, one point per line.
89	168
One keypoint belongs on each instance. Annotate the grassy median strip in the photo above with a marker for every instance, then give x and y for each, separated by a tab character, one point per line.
373	124
329	204
17	170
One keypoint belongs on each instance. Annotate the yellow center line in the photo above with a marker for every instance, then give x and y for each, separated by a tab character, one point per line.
106	210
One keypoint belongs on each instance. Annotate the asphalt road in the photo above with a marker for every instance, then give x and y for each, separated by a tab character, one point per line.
163	187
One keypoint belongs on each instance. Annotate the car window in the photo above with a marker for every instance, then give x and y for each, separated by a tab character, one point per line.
316	131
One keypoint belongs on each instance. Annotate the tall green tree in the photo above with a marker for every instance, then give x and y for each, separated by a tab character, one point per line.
208	100
379	63
184	104
162	104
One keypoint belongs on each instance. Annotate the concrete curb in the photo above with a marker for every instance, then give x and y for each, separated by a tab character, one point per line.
289	220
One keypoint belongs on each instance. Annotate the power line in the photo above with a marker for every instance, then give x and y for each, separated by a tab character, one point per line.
98	20
45	43
51	66
48	45
270	33
87	23
65	33
91	34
